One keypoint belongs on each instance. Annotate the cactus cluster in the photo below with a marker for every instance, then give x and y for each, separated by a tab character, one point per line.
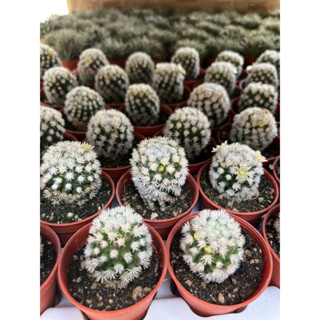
255	127
233	57
212	245
48	59
263	72
159	170
118	248
270	56
235	171
70	173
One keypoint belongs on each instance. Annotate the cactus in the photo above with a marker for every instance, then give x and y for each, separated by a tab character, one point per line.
111	133
81	104
264	73
235	171
190	128
233	57
270	56
142	105
118	248
48	59
212	245
57	82
71	173
213	100
159	170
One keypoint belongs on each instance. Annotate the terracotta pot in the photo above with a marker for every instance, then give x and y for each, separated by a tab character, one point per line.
249	61
209	62
43	98
275	175
70	64
120	62
251	217
205	309
163	226
66	230
243	74
180	104
135	312
41	86
275	279
41	40
48	287
196	82
69	136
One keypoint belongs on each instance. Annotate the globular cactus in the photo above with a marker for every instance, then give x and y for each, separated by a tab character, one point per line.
255	127
159	170
57	82
71	173
223	73
112	83
118	248
213	100
270	56
233	57
142	105
111	133
189	59
263	72
48	59
80	105
168	82
191	128
212	245
140	67
235	171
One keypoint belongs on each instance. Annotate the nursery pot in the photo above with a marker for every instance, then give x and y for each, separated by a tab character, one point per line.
134	312
66	230
42	103
70	64
69	136
163	226
183	103
120	62
275	279
195	82
114	105
275	175
48	287
249	61
251	217
205	309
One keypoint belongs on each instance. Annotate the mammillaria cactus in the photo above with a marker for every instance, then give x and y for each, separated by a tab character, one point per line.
168	81
263	72
233	57
191	128
270	56
111	133
189	59
142	105
118	247
71	173
140	67
212	244
48	59
255	127
213	100
112	83
57	82
159	170
223	73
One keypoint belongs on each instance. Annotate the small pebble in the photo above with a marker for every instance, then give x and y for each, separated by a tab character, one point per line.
221	298
188	283
70	215
260	199
136	293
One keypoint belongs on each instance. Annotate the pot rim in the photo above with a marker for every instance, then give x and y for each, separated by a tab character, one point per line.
276	162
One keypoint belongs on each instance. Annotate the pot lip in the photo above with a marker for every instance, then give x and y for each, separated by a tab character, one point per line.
86	220
64	287
276	161
190	180
251	230
241	214
69	135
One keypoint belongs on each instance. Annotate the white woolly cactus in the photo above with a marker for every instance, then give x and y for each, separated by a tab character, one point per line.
233	57
71	173
257	94
191	128
255	127
142	105
111	133
213	100
140	67
263	72
235	171
212	244
270	56
81	104
119	247
48	59
57	82
223	73
112	83
168	81
189	59
159	170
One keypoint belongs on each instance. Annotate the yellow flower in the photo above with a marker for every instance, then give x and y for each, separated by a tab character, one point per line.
161	168
195	236
222	165
242	172
87	147
207	249
259	157
261	124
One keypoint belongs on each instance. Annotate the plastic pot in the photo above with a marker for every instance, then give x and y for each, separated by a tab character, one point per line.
66	230
249	61
251	217
163	226
180	104
48	287
275	175
205	309
70	64
115	105
43	98
69	136
209	62
120	62
41	86
275	279
134	312
196	82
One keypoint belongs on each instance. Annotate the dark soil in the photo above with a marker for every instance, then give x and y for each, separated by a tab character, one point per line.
205	154
69	126
98	296
272	235
47	260
235	289
161	120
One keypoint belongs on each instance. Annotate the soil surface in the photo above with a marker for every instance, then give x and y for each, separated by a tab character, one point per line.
47	260
161	120
205	154
272	235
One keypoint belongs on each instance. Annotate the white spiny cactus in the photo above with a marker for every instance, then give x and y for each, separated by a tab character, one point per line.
233	57
48	59
270	56
263	72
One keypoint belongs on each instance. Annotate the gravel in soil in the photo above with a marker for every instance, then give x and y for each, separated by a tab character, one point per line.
67	213
131	197
235	289
97	296
47	260
161	120
272	235
261	201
